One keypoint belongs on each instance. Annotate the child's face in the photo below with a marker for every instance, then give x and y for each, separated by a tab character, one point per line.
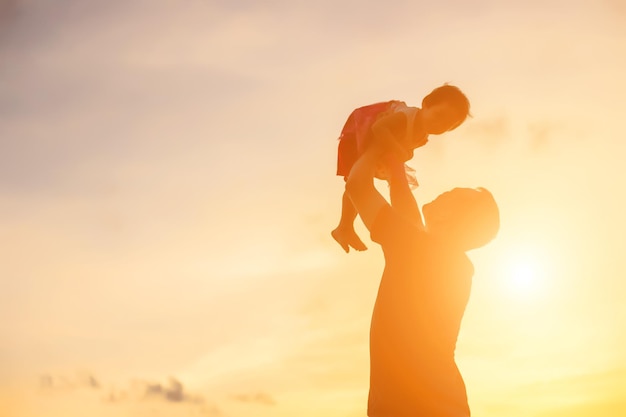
440	118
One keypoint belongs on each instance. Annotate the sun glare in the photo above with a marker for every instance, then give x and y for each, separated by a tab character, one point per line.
524	275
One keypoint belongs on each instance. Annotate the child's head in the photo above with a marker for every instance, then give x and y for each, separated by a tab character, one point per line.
444	109
466	218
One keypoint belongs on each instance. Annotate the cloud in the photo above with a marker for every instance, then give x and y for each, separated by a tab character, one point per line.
259	398
496	130
489	131
116	396
49	381
139	391
172	391
90	381
540	135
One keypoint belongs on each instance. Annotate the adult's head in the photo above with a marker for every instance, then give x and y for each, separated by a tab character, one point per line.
444	109
463	218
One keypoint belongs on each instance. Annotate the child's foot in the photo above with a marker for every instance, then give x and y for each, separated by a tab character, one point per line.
348	238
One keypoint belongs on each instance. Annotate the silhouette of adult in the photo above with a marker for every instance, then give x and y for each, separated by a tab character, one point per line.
424	288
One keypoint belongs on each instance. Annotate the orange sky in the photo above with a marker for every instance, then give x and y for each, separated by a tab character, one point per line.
167	193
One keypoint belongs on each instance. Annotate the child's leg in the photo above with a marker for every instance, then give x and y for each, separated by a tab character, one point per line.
345	234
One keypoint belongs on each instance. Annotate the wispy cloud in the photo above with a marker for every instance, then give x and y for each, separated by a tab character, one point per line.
489	131
49	381
172	391
139	391
540	135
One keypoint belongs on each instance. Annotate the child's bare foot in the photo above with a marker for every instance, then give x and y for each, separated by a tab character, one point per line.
348	238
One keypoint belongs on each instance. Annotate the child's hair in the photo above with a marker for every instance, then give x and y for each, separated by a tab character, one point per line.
450	94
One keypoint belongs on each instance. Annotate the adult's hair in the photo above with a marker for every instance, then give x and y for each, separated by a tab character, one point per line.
466	218
480	219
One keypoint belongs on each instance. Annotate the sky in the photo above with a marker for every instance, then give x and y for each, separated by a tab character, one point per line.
167	192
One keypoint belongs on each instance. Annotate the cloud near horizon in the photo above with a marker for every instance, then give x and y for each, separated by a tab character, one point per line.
142	391
49	381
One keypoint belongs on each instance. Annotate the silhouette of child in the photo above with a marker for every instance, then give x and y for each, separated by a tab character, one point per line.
402	127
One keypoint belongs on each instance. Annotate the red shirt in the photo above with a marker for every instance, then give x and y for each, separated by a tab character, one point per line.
355	133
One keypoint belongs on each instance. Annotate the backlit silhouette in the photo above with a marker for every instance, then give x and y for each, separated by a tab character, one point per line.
427	277
444	109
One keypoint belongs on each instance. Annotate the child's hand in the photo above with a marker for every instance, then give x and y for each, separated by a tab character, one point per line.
393	165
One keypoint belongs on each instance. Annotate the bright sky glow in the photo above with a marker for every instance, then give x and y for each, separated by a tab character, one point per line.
167	190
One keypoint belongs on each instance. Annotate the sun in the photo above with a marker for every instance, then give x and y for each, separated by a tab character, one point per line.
524	275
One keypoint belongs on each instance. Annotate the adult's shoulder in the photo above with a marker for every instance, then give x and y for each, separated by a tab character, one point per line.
392	228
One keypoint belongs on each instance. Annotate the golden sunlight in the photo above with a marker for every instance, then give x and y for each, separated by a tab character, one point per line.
524	274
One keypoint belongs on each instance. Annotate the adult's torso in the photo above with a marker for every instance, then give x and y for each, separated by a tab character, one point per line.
417	315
